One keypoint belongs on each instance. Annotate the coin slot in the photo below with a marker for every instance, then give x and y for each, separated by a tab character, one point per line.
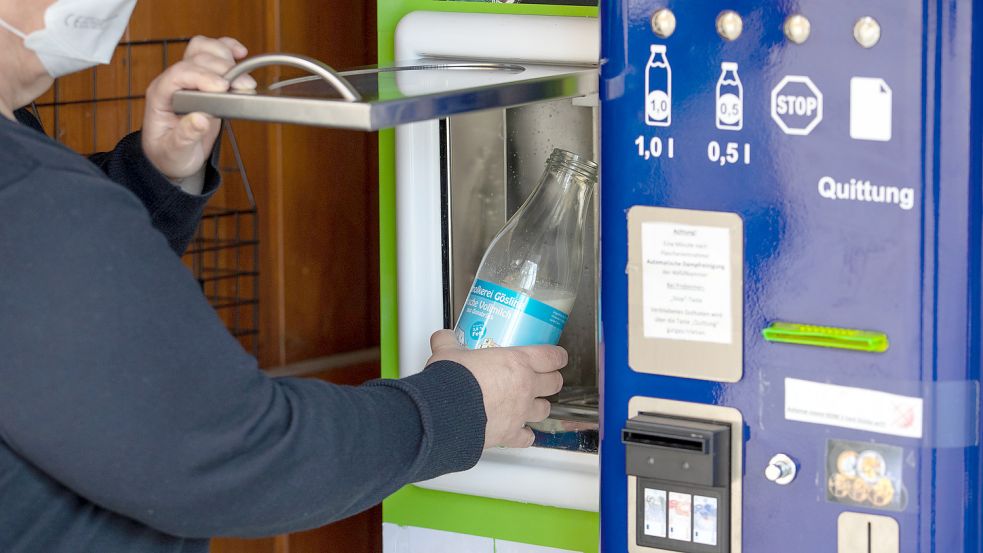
866	533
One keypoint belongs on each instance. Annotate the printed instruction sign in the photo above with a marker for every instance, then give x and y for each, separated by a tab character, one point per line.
686	293
686	274
856	408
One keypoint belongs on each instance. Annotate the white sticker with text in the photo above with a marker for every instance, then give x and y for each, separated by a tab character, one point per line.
849	407
686	276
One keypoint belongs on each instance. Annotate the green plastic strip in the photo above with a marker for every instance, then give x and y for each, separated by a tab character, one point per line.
826	337
562	529
412	506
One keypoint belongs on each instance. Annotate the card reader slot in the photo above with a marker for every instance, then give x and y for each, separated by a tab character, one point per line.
674	449
663	440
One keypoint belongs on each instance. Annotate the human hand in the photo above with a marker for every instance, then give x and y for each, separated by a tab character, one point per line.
179	146
513	383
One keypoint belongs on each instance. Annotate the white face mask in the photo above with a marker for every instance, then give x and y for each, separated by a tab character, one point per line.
77	34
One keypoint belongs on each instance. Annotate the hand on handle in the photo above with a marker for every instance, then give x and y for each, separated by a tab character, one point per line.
179	145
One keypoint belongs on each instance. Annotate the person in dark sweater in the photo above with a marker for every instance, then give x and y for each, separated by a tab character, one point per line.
130	419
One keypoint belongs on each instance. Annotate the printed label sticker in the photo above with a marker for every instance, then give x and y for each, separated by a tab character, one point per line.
865	474
496	316
857	408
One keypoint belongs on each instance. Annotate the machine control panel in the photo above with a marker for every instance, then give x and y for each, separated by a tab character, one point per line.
772	243
682	477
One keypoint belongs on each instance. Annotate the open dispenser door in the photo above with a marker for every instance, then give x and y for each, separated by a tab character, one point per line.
471	71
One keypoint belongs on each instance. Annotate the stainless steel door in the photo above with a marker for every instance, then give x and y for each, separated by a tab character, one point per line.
380	97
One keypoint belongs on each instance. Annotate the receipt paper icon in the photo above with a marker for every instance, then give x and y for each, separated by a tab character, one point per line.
870	109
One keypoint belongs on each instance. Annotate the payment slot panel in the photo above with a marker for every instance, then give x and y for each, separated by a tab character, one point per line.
681	469
683	464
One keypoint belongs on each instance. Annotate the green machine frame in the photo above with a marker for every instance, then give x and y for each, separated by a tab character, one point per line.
414	506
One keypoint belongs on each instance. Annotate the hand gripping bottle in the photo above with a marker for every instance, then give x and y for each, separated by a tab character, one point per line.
528	278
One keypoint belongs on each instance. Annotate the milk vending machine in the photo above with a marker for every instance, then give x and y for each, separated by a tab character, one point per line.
790	283
777	341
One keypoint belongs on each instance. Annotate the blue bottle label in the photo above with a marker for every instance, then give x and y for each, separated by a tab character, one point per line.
497	316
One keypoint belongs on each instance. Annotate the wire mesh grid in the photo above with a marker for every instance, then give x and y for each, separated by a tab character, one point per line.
91	110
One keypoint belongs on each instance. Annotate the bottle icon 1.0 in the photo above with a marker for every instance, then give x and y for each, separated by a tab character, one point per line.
730	98
658	88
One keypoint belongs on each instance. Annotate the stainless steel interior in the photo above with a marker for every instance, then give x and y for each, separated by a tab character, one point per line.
492	161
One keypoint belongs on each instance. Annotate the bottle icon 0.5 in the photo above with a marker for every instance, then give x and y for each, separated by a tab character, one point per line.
730	98
658	88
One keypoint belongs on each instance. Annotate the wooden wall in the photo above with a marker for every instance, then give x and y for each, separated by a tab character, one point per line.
316	188
329	197
316	192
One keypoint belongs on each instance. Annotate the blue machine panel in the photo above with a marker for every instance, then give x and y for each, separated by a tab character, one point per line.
869	220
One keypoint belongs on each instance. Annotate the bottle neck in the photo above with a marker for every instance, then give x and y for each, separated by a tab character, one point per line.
570	177
562	194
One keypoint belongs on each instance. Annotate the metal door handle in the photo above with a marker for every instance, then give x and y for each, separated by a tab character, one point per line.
298	61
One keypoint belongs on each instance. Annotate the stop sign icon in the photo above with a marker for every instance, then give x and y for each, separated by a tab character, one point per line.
796	105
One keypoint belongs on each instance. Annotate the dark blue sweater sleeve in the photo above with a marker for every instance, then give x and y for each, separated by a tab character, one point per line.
121	383
173	212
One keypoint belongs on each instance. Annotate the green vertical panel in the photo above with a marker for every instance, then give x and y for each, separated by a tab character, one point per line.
413	506
387	254
390	12
505	520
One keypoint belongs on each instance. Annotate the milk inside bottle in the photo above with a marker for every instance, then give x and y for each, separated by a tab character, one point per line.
527	282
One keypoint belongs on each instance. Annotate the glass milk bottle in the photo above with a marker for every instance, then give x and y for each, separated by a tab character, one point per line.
528	278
